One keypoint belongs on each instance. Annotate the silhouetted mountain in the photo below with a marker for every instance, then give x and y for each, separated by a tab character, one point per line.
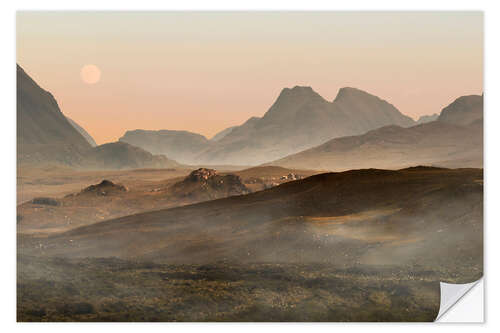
83	132
299	119
44	134
451	141
181	146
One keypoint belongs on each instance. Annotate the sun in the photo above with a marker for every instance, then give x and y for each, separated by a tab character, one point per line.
90	74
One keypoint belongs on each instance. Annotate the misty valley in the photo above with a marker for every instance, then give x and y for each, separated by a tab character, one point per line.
346	210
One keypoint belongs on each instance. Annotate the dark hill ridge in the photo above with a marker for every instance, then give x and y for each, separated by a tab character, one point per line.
454	140
361	216
299	119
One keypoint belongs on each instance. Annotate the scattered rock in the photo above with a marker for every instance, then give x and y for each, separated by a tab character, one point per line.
46	201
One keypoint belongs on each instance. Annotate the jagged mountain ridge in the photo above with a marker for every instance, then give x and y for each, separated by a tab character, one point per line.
455	139
299	119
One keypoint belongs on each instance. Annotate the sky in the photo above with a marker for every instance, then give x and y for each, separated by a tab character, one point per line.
205	71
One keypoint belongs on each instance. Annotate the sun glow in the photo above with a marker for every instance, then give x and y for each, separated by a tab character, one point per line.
90	74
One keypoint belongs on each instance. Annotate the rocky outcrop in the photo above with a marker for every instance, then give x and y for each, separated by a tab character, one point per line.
209	184
104	188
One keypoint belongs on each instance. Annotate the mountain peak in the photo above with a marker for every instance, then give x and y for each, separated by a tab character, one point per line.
349	92
300	91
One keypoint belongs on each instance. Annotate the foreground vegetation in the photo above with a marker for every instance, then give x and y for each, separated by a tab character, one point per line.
54	289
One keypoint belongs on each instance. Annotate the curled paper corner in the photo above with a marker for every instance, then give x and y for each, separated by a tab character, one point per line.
452	293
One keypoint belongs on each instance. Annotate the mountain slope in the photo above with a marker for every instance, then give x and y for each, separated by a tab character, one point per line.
451	141
427	118
299	119
222	133
44	134
83	132
181	146
463	111
121	155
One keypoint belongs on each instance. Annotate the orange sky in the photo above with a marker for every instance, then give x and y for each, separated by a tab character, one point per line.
203	72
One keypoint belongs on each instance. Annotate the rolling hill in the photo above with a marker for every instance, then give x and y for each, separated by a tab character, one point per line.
360	216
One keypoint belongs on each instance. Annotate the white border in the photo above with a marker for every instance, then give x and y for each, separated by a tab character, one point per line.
7	132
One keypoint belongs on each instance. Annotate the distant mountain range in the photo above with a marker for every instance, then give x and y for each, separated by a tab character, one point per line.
300	130
46	136
455	139
299	119
182	146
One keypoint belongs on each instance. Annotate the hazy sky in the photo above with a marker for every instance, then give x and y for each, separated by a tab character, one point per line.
203	72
